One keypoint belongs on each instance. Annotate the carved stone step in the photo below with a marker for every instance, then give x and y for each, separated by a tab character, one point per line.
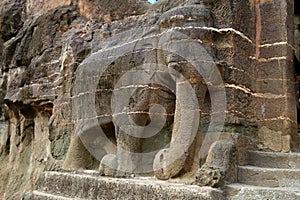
248	192
274	160
269	177
93	186
45	196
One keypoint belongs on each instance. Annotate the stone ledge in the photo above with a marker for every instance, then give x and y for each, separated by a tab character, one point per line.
247	192
274	159
45	196
92	186
269	177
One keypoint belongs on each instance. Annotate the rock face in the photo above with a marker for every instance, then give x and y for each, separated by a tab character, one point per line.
218	165
71	69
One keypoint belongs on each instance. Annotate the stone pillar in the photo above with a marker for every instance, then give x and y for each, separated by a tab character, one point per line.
261	84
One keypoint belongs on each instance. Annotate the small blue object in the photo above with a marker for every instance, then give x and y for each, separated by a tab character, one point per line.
152	1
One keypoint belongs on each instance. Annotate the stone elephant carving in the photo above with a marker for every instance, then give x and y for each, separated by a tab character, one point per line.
138	142
174	150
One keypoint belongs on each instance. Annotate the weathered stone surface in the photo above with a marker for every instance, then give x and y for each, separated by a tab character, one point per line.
30	66
91	186
39	7
273	140
12	18
94	10
267	175
239	191
273	160
259	49
129	159
42	43
219	166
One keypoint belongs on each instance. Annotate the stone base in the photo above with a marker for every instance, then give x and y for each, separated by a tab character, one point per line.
247	192
89	185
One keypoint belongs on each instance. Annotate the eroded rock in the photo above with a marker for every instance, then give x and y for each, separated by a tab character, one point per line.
42	46
219	166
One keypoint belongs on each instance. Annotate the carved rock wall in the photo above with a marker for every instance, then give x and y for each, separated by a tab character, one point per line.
43	43
263	72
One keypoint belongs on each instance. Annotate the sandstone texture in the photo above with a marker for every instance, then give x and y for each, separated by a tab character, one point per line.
266	175
63	63
87	185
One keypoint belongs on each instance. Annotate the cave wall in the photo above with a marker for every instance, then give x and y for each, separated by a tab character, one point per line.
263	72
43	43
297	27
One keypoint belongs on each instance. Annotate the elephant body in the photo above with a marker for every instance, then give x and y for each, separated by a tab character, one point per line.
153	115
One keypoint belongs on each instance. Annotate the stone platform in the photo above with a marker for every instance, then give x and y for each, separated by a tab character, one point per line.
89	185
267	176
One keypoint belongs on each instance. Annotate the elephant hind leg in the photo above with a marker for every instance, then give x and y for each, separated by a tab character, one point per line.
78	157
129	153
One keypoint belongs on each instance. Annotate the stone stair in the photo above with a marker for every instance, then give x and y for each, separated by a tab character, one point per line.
89	185
268	176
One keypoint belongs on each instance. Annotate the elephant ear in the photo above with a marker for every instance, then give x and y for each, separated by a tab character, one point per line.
110	80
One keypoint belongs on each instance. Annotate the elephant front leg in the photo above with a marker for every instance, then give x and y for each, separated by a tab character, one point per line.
129	152
127	161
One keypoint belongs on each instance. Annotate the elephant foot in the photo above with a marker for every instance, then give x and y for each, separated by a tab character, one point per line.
123	174
168	163
108	165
